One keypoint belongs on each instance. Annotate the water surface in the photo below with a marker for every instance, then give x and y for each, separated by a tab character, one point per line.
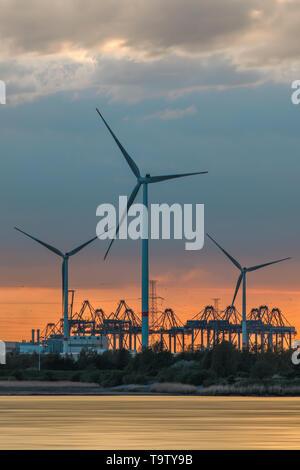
149	422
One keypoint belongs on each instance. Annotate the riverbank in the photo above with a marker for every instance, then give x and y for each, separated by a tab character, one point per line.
222	371
67	388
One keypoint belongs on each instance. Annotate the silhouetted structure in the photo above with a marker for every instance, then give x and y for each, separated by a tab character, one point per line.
265	328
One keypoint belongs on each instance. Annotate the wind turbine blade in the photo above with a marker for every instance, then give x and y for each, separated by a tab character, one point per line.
157	179
129	204
128	158
254	268
234	261
237	287
46	245
73	252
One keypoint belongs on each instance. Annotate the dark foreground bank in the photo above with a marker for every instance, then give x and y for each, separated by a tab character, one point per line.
62	388
220	371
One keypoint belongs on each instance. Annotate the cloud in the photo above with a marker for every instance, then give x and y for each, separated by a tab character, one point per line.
167	114
132	50
50	27
120	79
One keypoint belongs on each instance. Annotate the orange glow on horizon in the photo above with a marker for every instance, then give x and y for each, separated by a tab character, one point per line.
24	308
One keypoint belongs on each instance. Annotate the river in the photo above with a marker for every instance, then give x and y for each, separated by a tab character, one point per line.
149	422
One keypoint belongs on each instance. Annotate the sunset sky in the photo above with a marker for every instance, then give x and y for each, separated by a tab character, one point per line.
186	86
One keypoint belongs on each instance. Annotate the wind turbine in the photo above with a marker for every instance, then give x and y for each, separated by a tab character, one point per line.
142	181
242	277
65	277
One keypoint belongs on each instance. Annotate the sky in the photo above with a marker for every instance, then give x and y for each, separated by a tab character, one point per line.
187	86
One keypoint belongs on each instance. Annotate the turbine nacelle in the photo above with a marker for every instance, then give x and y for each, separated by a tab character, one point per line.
144	179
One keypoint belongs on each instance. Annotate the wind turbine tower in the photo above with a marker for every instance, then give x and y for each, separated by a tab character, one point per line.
143	181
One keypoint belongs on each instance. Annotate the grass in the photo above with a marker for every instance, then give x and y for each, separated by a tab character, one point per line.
256	389
172	387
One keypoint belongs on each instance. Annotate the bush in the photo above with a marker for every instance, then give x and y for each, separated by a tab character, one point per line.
76	377
224	360
262	369
138	378
172	388
18	374
149	362
210	378
111	378
49	375
202	377
185	364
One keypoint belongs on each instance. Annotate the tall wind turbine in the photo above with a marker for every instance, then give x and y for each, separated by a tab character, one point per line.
142	181
242	277
65	277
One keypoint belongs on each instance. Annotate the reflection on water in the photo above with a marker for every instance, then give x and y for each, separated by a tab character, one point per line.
147	422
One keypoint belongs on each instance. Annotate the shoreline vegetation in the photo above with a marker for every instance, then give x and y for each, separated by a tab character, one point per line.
65	388
222	371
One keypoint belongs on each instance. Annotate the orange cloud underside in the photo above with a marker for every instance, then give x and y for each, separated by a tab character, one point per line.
24	308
